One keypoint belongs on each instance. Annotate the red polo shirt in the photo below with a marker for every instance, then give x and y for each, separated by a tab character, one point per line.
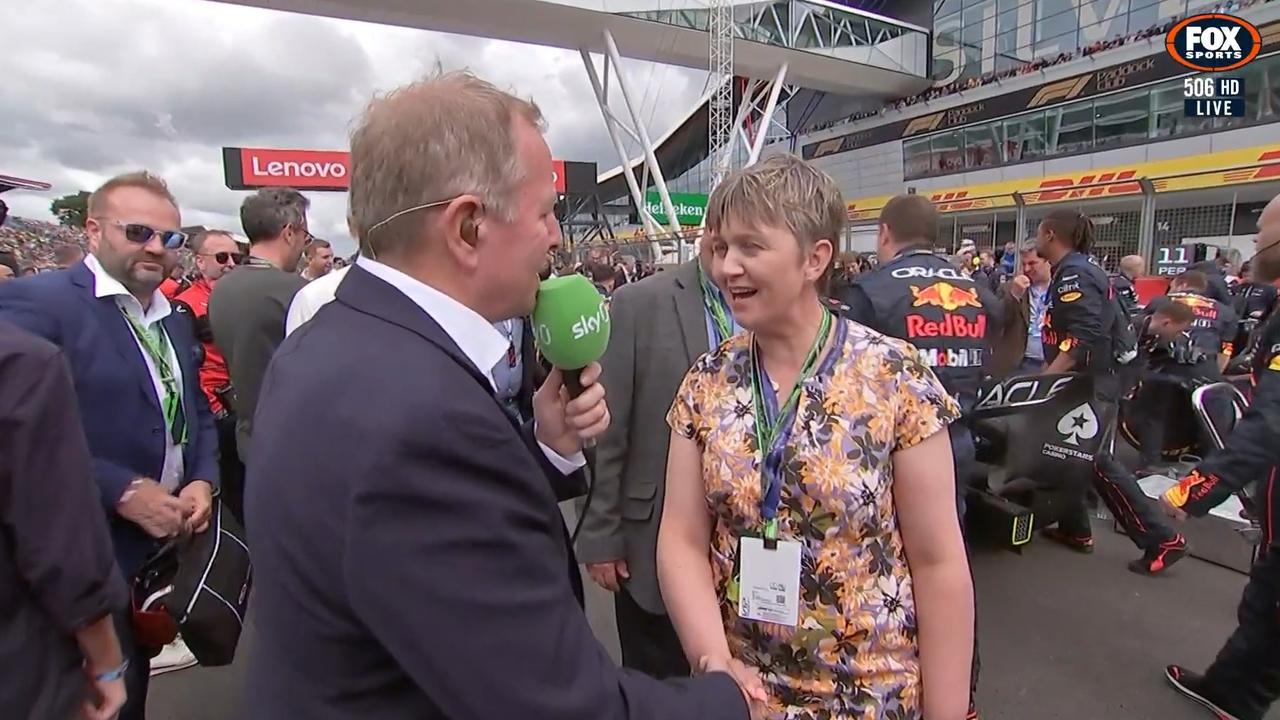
213	373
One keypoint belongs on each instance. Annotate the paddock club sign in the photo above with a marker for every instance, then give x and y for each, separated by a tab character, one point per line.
1126	75
316	170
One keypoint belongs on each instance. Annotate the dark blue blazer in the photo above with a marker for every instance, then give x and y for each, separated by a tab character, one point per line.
118	407
410	559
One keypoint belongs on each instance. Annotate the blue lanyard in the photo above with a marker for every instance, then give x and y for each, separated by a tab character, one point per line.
773	424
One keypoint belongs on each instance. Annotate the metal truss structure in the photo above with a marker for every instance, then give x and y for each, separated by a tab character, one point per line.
794	24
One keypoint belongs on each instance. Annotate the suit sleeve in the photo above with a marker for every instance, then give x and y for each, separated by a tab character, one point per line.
206	451
1078	306
1250	451
566	485
48	503
448	533
601	536
21	305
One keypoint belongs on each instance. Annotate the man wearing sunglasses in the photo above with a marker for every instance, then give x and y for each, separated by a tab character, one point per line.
247	308
216	254
134	363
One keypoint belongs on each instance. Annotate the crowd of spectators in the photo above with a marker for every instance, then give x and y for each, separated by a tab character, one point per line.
39	245
1036	65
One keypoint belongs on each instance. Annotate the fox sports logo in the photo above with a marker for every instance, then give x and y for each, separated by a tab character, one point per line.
1214	42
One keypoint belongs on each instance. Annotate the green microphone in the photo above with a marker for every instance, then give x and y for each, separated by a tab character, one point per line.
570	326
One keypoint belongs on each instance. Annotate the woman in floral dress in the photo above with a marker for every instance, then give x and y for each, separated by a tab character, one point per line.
855	505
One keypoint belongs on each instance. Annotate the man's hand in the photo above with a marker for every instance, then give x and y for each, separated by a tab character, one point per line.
108	698
198	498
148	506
562	423
609	574
748	679
1172	510
1018	286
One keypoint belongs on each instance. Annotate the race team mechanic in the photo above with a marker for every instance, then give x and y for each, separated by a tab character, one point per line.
1244	679
922	298
1254	303
1077	338
1214	329
916	296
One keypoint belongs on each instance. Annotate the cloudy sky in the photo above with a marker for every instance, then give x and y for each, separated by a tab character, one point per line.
90	88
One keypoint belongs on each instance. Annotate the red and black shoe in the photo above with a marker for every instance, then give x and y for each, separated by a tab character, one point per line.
1192	686
1081	544
1162	557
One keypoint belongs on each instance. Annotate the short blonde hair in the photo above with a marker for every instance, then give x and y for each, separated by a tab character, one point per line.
143	179
782	191
443	136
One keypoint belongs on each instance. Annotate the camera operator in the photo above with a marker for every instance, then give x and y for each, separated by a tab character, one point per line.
1077	338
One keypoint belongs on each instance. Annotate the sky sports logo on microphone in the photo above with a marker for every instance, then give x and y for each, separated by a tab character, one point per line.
590	324
1213	43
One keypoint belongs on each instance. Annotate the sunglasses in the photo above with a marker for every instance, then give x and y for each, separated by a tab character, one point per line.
223	257
142	234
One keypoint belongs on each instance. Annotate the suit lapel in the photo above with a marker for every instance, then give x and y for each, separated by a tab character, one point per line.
116	328
186	364
691	310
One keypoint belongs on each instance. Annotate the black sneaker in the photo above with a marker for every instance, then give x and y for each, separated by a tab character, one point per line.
1082	544
1156	561
1190	684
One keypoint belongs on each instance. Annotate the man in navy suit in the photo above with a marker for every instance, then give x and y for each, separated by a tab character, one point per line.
135	367
413	563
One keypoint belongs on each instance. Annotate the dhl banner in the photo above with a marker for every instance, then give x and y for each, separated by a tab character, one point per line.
1232	167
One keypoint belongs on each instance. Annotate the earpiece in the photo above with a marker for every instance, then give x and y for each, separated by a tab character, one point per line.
468	230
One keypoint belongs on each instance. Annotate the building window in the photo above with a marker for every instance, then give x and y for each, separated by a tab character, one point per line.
1071	128
947	155
1024	137
980	144
917	158
1122	119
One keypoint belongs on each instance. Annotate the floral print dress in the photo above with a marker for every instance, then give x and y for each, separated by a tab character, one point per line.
853	655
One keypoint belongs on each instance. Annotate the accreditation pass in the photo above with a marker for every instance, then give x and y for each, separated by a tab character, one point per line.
769	585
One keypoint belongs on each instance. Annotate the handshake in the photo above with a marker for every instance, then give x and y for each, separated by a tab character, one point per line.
748	679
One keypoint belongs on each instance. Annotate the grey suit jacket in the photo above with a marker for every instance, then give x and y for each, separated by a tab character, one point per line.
659	329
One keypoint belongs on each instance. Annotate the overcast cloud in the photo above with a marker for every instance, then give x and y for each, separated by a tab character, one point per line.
90	88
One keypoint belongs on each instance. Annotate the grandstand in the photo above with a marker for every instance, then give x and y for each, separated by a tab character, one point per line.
1037	104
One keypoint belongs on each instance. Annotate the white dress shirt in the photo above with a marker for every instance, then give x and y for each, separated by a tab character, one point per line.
476	337
308	301
106	286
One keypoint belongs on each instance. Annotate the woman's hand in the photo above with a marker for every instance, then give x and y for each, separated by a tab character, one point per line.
747	677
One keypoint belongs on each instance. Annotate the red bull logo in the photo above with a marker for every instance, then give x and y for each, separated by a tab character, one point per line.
946	296
951	325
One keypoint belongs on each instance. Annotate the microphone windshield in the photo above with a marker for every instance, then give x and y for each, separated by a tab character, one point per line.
570	322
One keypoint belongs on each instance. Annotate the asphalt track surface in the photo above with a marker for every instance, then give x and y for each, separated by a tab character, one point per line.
1064	636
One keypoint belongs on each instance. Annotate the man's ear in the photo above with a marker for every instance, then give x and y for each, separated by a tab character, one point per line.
460	227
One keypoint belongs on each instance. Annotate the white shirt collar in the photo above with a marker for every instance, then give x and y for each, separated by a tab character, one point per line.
478	339
104	285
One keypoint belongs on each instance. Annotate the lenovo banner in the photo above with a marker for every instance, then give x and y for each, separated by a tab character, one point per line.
251	168
322	170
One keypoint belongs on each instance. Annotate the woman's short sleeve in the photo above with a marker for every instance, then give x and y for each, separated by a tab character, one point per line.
923	406
686	414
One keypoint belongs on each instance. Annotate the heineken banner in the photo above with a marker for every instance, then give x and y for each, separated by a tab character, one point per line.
690	207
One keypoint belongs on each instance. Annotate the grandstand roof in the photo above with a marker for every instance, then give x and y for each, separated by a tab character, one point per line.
554	23
9	182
